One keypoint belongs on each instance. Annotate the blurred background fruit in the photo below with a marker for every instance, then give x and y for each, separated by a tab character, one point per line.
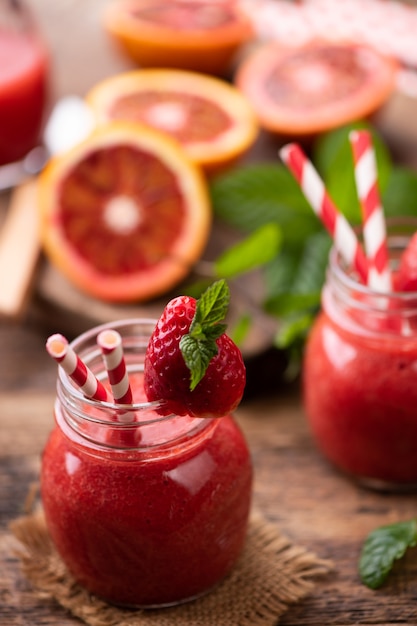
124	214
307	90
201	36
211	119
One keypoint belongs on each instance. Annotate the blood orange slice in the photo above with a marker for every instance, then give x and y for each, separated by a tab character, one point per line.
124	215
212	120
202	36
311	89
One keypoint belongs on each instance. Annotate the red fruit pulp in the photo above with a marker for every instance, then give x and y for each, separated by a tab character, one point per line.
306	90
23	93
186	117
187	16
153	526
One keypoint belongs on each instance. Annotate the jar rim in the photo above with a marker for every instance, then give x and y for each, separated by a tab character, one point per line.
77	396
396	238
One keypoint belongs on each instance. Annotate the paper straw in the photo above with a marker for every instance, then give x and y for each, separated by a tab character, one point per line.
110	343
60	350
374	229
313	188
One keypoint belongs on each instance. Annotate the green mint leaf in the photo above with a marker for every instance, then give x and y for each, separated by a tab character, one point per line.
313	260
400	196
212	305
294	330
254	195
294	282
197	356
257	249
280	273
286	304
299	270
199	346
294	287
382	547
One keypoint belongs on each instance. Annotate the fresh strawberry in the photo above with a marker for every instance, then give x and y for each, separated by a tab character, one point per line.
190	362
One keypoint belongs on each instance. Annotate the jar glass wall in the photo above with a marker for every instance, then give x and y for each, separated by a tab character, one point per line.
360	374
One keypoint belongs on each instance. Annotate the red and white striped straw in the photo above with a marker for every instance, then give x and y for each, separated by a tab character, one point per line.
313	188
110	343
374	229
60	350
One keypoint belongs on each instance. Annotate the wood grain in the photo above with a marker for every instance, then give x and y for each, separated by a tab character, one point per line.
294	487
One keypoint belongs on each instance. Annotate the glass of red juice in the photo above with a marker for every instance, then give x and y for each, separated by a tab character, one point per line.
360	375
23	81
146	511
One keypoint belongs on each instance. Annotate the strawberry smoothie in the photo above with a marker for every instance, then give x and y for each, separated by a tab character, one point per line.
360	381
151	518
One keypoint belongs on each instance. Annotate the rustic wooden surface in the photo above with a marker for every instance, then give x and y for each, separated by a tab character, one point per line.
294	487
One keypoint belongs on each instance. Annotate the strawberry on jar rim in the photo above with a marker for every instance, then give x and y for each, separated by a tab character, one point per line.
190	363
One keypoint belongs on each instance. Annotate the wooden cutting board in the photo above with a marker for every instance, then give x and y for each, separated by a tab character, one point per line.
73	311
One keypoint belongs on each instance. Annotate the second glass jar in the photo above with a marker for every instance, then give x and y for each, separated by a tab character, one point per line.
360	375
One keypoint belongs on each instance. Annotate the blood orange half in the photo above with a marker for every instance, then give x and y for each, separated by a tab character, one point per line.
212	120
124	214
202	36
310	89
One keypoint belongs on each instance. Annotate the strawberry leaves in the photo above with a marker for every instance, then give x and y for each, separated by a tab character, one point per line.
199	346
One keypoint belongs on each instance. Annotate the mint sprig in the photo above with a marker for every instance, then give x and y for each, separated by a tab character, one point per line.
259	195
382	547
254	251
199	346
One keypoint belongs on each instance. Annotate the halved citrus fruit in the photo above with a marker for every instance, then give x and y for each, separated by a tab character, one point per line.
124	214
202	36
310	89
212	120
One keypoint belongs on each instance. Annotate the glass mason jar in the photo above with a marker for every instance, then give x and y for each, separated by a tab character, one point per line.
24	66
360	374
144	513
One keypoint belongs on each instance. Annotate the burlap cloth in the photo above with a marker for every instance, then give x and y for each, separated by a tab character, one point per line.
271	574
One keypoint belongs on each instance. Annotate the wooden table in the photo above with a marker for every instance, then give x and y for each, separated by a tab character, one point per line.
294	486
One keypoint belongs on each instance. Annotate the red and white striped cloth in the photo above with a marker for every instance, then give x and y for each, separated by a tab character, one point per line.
389	27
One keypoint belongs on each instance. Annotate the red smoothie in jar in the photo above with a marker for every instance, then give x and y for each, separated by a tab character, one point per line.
360	381
158	522
23	92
